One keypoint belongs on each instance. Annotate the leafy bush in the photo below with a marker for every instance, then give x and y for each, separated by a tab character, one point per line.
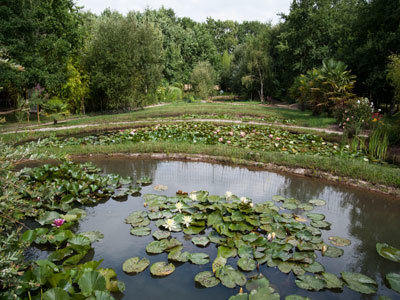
393	76
203	79
169	93
325	88
55	105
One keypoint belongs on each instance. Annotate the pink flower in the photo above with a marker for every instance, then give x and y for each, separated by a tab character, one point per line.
228	142
271	136
278	139
242	134
217	131
254	131
58	222
221	139
231	133
348	119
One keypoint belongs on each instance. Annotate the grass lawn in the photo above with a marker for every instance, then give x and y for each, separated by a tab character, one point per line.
238	110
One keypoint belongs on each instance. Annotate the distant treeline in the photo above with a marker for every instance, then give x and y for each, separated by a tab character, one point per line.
114	62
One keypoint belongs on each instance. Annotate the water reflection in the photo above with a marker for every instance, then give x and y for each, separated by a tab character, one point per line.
363	217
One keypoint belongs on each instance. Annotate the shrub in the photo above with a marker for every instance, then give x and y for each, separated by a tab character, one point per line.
203	79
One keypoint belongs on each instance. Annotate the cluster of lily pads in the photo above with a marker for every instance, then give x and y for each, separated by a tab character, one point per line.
268	119
50	194
265	233
252	137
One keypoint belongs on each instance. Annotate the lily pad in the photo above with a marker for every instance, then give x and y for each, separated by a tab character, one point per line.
240	296
296	297
135	265
218	262
317	202
206	279
394	281
332	281
285	267
321	224
333	252
230	277
202	241
93	236
199	258
263	294
177	255
157	247
246	264
144	181
160	187
161	234
315	216
360	283
339	241
308	282
305	206
140	231
193	230
388	252
257	282
161	269
315	267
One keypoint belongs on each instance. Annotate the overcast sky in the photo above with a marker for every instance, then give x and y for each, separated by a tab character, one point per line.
199	10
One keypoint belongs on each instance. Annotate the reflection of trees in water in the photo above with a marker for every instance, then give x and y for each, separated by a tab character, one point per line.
135	168
301	189
373	219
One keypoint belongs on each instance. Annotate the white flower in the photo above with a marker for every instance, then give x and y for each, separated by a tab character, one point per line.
179	206
251	204
187	220
334	147
269	236
193	196
169	224
228	194
366	159
244	200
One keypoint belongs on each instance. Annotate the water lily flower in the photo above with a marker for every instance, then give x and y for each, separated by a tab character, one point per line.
187	220
269	236
228	194
231	133
273	235
271	136
324	248
170	224
244	200
251	204
133	131
58	222
218	130
242	134
228	142
193	196
278	138
347	146
221	139
179	206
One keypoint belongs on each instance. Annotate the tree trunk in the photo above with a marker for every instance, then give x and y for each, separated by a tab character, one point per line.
38	115
82	105
261	87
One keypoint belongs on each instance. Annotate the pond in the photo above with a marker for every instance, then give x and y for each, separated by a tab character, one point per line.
363	217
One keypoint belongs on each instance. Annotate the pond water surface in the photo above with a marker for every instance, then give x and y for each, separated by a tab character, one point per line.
361	216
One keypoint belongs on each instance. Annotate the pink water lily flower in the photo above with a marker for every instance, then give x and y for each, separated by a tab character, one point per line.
231	133
58	222
228	142
242	134
221	139
278	139
271	136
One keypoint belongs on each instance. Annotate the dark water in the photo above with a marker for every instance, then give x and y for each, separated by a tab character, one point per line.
363	217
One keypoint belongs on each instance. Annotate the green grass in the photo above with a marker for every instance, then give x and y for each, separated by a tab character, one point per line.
339	166
178	109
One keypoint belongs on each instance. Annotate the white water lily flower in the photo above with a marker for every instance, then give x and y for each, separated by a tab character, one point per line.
187	220
244	200
269	236
169	224
251	204
228	194
193	196
179	206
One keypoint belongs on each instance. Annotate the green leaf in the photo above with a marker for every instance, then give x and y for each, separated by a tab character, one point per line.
56	294
388	252
206	279
141	231
321	224
135	265
257	282
246	264
308	282
218	262
339	241
230	277
315	267
91	281
48	217
226	252
157	247
240	296
360	283
202	241
161	234
161	269
296	297
199	258
315	216
333	252
93	236
332	281
177	255
317	202
394	281
263	294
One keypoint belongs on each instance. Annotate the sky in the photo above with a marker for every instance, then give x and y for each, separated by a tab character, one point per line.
199	10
